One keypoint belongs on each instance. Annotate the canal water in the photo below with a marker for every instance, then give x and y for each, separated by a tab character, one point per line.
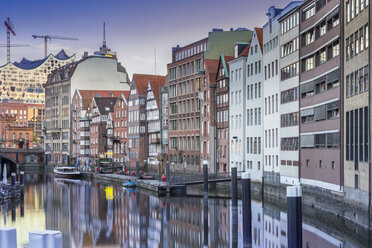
96	215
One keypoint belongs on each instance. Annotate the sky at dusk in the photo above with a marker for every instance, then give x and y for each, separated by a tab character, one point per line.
134	29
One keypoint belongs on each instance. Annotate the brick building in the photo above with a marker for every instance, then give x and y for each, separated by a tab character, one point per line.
191	73
80	103
153	109
208	135
183	89
13	135
120	132
25	115
101	71
222	114
101	107
137	126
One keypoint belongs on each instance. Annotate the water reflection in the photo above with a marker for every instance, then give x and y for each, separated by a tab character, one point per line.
93	215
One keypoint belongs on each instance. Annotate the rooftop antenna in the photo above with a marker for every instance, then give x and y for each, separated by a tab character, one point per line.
104	35
155	59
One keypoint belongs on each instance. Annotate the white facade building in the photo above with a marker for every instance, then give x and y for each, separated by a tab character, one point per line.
289	96
271	56
254	108
153	125
237	82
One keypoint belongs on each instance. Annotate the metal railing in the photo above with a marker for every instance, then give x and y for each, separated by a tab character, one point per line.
183	179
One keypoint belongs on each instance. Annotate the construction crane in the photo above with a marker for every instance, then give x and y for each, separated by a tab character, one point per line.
12	45
9	29
50	37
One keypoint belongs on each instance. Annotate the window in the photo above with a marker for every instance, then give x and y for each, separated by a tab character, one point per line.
356	182
289	95
309	63
289	144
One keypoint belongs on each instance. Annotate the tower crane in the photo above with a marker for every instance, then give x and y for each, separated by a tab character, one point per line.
12	45
50	37
9	30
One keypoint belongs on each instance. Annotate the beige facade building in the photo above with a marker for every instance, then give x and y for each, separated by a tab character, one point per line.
356	98
98	72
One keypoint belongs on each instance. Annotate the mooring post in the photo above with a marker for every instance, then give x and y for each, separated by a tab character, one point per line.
235	221
205	219
137	170
17	161
234	185
22	205
13	214
294	210
167	176
247	209
45	238
205	173
13	178
8	237
21	177
1	167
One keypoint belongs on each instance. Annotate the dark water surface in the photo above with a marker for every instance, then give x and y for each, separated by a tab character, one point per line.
94	215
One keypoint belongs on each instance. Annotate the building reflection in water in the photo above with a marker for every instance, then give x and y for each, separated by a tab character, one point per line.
88	217
93	215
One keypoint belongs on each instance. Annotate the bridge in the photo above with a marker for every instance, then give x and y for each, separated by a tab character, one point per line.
13	156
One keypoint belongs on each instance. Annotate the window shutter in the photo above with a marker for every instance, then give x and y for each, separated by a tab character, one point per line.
307	141
333	76
320	113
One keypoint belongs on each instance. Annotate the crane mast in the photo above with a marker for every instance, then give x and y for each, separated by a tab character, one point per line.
50	37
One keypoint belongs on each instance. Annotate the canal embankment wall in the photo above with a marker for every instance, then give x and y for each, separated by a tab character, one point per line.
315	201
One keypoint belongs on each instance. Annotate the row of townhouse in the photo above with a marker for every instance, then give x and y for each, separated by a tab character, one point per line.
305	99
288	102
93	111
120	125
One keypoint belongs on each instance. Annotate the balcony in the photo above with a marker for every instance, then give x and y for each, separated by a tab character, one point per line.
155	140
116	139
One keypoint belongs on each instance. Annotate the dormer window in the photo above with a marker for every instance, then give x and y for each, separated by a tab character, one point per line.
56	78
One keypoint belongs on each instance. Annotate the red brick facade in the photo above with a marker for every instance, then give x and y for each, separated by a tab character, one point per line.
222	114
186	75
120	133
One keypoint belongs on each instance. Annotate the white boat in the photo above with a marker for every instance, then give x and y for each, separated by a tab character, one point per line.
67	172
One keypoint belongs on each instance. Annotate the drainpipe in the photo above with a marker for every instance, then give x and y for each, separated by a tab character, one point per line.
342	103
369	128
214	90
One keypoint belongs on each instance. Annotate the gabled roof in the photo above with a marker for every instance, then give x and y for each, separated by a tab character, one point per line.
223	60
259	33
87	95
211	66
155	86
141	81
105	105
245	52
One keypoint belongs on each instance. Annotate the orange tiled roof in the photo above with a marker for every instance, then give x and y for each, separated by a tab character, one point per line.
245	52
259	32
87	95
211	66
142	80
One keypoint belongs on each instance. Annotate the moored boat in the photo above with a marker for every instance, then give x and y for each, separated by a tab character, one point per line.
67	172
129	185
